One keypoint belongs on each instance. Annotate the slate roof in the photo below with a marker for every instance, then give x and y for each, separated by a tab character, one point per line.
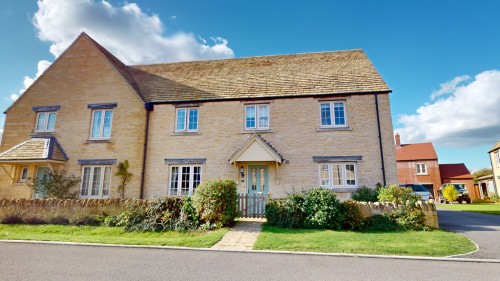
35	149
455	171
416	151
495	147
255	77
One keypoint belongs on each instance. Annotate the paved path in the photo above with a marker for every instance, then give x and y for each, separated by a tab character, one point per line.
242	236
38	262
483	229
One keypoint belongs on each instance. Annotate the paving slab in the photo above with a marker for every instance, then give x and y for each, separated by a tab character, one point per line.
242	236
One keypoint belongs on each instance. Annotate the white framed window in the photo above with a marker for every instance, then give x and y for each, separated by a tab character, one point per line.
184	179
96	181
101	124
23	176
497	158
257	116
45	121
186	119
333	114
338	175
421	169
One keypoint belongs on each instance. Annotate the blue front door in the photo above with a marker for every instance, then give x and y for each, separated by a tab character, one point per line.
258	179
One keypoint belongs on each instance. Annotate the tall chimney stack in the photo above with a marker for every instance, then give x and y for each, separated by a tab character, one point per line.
398	140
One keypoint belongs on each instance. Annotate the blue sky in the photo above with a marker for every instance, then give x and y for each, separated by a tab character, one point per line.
440	58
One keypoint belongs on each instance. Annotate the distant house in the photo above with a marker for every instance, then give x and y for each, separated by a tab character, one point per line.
458	173
495	166
418	163
486	185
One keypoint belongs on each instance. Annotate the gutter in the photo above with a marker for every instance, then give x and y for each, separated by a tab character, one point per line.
380	139
149	107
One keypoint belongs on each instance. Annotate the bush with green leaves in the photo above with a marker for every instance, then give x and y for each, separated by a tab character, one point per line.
450	193
408	218
365	194
314	208
495	197
56	184
395	193
352	217
217	202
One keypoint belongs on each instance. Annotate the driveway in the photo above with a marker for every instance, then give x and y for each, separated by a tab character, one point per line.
483	229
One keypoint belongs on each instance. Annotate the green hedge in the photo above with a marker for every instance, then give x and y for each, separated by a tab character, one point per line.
217	202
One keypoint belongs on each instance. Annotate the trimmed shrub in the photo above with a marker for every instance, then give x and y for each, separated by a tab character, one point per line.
314	208
484	200
495	198
395	193
379	223
217	202
409	218
365	194
351	214
450	193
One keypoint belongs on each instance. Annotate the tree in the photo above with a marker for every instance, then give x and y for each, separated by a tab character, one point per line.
55	184
125	175
450	193
481	172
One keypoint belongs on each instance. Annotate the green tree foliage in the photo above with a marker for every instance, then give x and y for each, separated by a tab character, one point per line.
481	172
365	194
450	193
125	176
216	202
55	184
395	193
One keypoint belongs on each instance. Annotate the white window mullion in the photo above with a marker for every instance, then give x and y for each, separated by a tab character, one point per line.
191	179
101	180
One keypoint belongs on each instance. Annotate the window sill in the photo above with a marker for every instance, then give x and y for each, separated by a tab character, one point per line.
98	141
186	133
422	174
42	133
329	129
253	131
343	188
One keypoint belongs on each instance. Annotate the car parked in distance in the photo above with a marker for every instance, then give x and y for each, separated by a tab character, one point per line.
463	194
420	190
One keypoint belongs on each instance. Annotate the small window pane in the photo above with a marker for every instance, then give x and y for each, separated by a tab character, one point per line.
193	119
40	124
96	125
263	116
254	179
339	113
52	121
181	119
185	180
326	118
262	180
337	174
174	180
96	180
85	181
250	116
196	177
107	181
350	174
106	132
325	175
24	173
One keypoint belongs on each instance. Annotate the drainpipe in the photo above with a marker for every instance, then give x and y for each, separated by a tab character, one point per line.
149	107
380	139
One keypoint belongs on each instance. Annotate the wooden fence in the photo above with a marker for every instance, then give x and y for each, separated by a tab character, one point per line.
252	205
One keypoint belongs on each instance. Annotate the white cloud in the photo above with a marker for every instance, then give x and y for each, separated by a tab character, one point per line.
27	81
450	86
469	116
126	31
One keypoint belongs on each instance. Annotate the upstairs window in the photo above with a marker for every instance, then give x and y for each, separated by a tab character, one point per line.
333	114
101	124
186	120
421	169
45	121
257	117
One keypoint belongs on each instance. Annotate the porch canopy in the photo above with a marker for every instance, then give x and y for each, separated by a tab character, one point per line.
256	149
42	150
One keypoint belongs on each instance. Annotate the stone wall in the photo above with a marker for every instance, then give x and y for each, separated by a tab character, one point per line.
428	208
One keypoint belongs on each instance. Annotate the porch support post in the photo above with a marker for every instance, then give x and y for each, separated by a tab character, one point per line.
50	166
9	173
277	178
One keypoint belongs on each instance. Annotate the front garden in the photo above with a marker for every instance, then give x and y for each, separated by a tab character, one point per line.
485	208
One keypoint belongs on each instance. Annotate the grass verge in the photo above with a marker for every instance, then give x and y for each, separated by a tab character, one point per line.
110	235
436	243
485	208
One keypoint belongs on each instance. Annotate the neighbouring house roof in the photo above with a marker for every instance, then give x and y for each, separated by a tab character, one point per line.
416	151
486	177
271	76
454	171
256	149
35	149
495	147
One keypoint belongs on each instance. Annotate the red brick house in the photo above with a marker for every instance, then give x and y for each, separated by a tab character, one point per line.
418	163
458	173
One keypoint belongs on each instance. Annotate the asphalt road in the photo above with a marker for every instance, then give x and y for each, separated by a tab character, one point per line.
23	261
483	229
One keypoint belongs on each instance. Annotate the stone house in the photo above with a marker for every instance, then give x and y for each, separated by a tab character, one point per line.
418	163
494	153
274	124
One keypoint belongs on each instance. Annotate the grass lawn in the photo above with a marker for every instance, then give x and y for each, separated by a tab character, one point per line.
436	243
486	208
109	235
